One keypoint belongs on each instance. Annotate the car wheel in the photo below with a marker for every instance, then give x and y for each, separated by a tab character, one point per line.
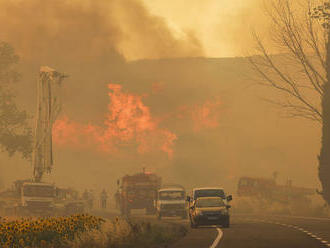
226	224
193	225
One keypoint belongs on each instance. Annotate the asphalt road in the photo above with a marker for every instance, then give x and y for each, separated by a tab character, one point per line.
261	232
249	231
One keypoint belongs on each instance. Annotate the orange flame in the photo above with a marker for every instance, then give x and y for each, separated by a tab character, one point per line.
128	121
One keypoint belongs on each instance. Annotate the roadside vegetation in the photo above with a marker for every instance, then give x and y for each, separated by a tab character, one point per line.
85	231
313	207
121	233
45	232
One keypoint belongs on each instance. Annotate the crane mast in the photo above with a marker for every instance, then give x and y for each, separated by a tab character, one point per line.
48	108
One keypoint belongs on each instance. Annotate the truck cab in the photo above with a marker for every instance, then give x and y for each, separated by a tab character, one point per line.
37	198
138	191
171	202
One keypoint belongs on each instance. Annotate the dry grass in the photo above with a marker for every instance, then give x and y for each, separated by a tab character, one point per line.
308	207
85	231
121	233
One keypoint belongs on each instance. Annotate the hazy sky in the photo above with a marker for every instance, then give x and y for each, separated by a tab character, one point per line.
215	22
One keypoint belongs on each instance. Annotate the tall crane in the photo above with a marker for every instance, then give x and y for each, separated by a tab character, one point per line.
48	108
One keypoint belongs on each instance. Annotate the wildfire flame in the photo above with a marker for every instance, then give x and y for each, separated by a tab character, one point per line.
128	122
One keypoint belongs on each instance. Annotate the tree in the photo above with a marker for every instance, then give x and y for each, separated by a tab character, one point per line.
302	71
15	134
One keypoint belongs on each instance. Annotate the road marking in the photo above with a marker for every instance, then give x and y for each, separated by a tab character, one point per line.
324	242
217	239
304	217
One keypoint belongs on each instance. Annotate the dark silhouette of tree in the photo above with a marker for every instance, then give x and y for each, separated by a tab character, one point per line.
322	14
302	71
15	134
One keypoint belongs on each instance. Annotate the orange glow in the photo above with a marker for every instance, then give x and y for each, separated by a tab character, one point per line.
128	122
206	115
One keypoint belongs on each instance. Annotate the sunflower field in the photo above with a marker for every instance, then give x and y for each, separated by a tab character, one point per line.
47	232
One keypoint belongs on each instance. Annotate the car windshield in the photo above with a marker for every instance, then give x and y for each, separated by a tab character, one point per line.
38	191
171	195
209	202
209	193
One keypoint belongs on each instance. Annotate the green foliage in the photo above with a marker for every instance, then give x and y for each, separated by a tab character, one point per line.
15	134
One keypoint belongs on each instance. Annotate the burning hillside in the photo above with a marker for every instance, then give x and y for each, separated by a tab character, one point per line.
130	124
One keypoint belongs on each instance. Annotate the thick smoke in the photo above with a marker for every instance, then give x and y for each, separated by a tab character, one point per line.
217	140
77	31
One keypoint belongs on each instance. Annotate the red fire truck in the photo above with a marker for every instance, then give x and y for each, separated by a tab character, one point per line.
268	189
138	191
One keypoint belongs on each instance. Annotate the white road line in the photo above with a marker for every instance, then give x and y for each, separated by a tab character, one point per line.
218	238
304	217
301	230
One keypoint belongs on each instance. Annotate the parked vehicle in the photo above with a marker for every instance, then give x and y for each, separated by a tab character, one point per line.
267	189
27	198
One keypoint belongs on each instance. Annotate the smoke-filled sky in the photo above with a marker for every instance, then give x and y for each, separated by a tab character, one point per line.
143	91
223	26
136	29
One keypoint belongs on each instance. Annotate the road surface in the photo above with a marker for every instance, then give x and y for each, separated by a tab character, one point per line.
249	231
262	232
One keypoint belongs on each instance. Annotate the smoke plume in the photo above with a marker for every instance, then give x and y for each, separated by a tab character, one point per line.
80	30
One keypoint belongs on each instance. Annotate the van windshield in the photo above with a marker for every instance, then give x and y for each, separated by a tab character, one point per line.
209	193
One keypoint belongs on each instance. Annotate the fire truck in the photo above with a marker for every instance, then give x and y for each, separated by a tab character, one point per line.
33	196
138	191
268	189
28	198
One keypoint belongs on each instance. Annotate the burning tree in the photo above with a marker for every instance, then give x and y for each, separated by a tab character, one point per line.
15	134
302	72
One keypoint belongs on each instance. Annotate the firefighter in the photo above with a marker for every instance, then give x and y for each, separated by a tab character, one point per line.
104	198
